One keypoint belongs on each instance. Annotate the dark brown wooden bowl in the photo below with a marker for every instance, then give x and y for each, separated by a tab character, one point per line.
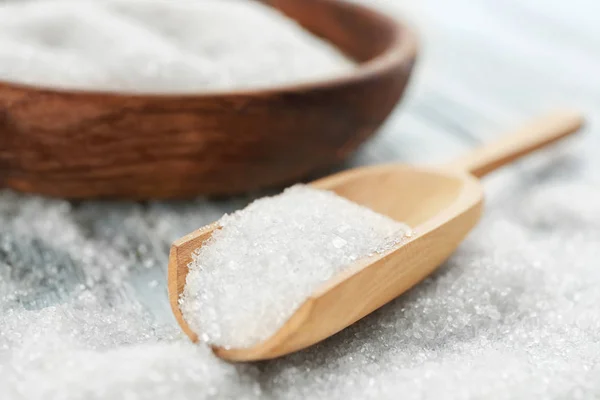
81	144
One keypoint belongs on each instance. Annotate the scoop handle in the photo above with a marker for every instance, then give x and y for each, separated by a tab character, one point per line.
533	136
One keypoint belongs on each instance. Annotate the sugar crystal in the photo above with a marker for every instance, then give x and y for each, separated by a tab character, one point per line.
513	314
159	46
265	260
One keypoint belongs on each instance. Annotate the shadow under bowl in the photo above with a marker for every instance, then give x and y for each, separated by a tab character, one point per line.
81	144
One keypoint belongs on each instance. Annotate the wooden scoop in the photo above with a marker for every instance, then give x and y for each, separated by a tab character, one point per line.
441	204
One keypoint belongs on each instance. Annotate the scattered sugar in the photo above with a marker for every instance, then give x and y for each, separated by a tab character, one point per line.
149	46
514	314
255	271
86	350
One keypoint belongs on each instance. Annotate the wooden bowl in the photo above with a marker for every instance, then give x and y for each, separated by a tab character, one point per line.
83	144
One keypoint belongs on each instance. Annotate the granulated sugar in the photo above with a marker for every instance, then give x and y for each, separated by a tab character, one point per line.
255	271
85	349
75	320
513	315
161	45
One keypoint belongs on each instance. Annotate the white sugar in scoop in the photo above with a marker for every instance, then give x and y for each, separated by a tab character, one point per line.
255	271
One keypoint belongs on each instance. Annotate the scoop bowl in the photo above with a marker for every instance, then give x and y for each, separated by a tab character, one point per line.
441	204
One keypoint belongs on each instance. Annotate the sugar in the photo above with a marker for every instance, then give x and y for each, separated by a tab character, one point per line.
84	349
164	46
265	260
514	314
72	325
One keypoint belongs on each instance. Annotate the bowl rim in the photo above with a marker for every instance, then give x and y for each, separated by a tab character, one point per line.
401	51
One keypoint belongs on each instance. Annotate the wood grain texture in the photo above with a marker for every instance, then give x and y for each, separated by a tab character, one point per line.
78	144
442	205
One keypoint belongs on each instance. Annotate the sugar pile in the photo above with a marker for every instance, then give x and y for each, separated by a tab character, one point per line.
86	350
149	46
75	321
514	314
255	271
